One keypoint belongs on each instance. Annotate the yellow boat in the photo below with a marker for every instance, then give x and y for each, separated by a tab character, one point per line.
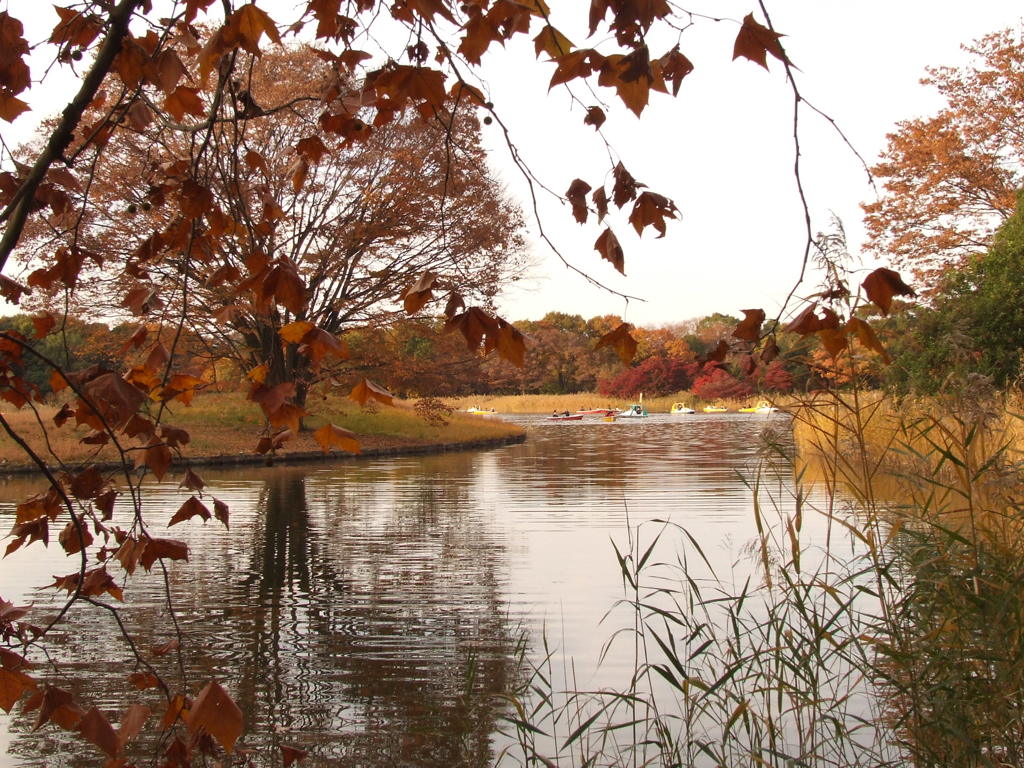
480	411
714	409
762	407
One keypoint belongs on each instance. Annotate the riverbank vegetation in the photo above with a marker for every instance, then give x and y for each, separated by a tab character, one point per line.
227	425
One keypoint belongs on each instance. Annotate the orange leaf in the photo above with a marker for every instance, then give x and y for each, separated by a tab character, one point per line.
294	332
620	340
651	209
157	457
184	101
43	323
577	196
157	549
215	713
329	435
833	341
511	344
288	415
188	510
366	390
13	685
866	336
552	42
132	722
882	284
290	755
749	329
417	295
608	246
474	324
95	728
754	41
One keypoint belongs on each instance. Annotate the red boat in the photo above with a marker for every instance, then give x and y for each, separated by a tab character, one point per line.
596	411
566	417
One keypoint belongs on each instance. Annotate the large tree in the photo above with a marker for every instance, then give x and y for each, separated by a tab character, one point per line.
949	180
350	226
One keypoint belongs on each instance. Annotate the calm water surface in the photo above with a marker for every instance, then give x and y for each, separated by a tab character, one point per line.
369	611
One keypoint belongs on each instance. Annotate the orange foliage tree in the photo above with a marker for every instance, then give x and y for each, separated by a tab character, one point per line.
950	180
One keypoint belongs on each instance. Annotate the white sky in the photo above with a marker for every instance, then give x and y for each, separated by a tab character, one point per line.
722	149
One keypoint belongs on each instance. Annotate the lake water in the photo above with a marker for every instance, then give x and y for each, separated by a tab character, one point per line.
370	611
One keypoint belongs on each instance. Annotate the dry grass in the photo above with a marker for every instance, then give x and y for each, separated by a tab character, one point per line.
549	403
223	424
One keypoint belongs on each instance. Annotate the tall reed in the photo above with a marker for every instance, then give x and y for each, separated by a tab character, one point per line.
877	620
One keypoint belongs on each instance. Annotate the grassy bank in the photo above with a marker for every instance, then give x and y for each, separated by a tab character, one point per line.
225	424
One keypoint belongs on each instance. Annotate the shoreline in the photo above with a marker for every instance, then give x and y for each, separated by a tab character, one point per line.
383	450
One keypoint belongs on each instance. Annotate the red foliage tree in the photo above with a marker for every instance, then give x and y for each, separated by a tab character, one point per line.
654	376
716	383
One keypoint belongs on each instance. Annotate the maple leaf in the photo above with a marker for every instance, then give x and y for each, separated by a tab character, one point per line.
248	24
577	197
595	116
474	324
577	64
366	390
293	332
290	755
754	41
156	456
329	436
510	343
13	685
158	549
882	285
608	246
96	729
625	187
215	712
55	705
419	293
191	508
184	101
806	322
674	67
600	198
621	341
132	722
833	341
749	329
651	209
552	42
866	336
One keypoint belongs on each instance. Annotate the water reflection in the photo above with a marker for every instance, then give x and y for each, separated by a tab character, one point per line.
369	611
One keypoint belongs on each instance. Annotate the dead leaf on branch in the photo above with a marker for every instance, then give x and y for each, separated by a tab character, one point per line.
621	341
749	329
331	436
366	390
651	209
577	197
882	285
754	41
607	245
215	712
866	336
415	297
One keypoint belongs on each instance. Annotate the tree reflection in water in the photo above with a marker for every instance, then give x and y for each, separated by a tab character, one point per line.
353	613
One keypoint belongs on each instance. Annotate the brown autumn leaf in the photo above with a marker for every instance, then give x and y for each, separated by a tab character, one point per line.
295	332
806	322
55	705
87	484
158	549
96	729
248	24
366	390
474	324
607	245
651	209
331	436
882	285
75	538
156	456
221	511
621	341
754	41
833	341
43	324
511	344
575	64
184	101
13	685
552	42
132	722
577	197
193	507
595	116
718	354
749	328
287	415
215	712
291	755
625	187
454	304
866	336
192	481
770	351
419	293
674	67
600	198
113	397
